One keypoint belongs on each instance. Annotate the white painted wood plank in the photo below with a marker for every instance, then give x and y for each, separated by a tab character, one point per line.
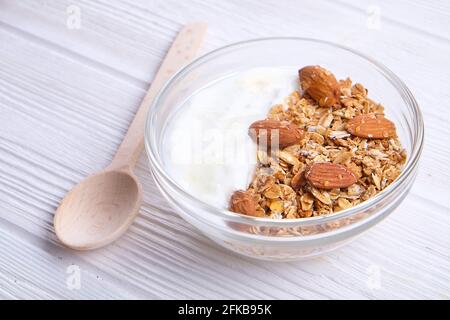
75	91
32	268
432	18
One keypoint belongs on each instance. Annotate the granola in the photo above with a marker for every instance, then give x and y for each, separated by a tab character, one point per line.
359	146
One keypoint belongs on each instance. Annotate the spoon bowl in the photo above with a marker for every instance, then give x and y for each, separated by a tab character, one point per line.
98	210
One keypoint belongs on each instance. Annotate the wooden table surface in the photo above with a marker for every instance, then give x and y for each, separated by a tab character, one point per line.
72	74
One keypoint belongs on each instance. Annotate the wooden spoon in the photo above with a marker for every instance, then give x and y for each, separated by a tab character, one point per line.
101	208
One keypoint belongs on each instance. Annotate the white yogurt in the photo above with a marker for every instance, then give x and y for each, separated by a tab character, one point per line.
207	150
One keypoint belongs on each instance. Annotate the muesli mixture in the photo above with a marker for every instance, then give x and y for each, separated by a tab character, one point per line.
327	148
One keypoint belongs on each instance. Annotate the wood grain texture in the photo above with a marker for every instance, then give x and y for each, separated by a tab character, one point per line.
75	91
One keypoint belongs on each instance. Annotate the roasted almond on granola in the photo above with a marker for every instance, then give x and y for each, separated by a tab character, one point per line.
320	84
329	176
243	202
271	130
371	126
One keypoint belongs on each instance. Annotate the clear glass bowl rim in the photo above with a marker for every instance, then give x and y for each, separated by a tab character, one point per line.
408	170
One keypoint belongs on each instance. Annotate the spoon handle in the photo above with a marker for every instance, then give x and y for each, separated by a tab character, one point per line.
182	51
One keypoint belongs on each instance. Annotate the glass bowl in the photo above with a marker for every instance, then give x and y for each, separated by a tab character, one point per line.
291	239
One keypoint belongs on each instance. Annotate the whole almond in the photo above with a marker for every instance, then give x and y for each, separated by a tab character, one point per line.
327	176
371	126
267	130
243	202
321	85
